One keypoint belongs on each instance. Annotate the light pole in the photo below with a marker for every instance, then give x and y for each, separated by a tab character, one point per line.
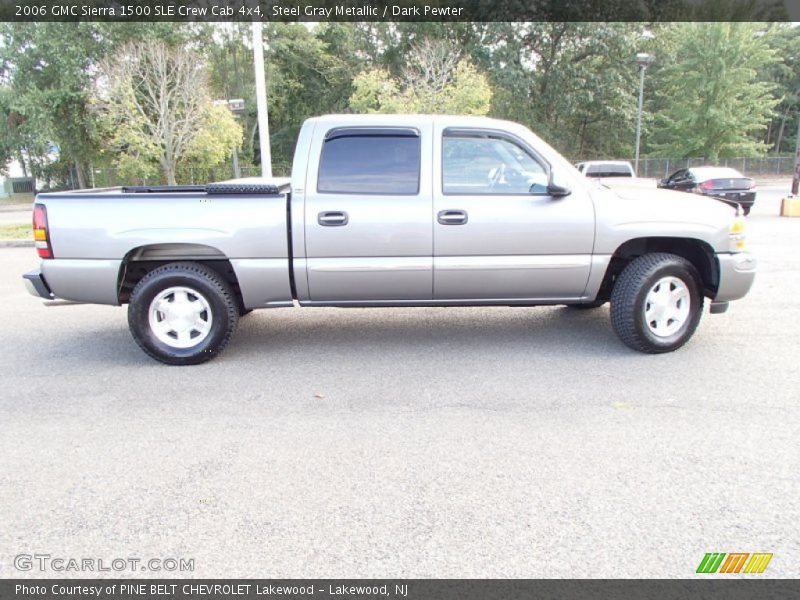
643	60
261	100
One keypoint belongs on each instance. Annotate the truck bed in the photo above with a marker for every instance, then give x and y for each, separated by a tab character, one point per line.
97	234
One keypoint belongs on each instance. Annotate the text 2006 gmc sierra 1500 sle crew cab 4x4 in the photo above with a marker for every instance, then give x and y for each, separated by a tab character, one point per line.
385	210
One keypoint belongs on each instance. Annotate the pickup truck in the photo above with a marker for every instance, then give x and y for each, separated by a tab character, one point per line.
606	168
392	210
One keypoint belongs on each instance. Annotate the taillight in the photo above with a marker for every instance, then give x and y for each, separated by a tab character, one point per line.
40	234
707	185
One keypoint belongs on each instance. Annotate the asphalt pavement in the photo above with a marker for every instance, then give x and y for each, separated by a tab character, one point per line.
461	442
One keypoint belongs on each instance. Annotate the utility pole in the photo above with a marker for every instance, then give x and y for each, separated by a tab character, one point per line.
643	60
796	177
261	100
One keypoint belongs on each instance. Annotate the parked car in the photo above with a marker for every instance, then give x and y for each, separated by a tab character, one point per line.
606	168
386	210
720	182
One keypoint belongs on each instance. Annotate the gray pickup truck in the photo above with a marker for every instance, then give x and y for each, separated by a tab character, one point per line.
392	211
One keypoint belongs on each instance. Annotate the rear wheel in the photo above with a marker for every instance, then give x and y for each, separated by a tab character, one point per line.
182	313
656	303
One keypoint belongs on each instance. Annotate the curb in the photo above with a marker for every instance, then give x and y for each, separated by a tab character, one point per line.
16	243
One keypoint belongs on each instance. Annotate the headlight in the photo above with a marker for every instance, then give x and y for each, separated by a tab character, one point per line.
736	235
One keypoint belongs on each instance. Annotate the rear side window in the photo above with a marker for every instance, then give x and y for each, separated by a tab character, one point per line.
608	170
359	161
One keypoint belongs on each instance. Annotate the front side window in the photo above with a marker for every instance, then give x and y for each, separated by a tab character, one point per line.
483	164
359	162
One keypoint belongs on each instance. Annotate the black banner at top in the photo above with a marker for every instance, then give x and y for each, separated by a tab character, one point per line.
399	10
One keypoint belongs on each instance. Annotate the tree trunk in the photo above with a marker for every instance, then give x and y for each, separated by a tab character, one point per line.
779	141
21	160
169	173
583	138
79	173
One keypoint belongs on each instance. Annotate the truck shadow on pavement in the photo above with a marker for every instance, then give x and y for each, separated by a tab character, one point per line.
420	331
417	334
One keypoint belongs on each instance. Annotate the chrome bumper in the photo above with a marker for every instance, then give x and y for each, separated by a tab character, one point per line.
736	274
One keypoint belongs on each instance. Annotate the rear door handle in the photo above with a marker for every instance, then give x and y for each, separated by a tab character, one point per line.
334	218
452	217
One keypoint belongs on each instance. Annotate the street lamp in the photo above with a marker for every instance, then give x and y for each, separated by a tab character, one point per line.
643	60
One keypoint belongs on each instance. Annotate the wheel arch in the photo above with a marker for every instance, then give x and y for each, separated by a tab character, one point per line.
139	261
698	252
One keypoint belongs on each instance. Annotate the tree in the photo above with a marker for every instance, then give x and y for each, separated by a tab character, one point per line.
434	81
574	83
47	72
157	104
785	40
712	103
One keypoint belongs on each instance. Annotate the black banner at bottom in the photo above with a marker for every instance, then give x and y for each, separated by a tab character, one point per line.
399	589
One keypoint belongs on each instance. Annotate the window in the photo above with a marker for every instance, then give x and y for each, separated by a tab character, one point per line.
609	170
365	161
492	165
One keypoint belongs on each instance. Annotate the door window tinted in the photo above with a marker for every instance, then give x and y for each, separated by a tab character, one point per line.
489	165
370	164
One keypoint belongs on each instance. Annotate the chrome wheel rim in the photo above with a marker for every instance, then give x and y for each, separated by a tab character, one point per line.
180	317
667	306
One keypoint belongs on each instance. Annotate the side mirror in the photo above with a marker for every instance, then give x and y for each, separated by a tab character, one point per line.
556	187
558	191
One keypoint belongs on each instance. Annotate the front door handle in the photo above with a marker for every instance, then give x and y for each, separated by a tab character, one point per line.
452	217
334	218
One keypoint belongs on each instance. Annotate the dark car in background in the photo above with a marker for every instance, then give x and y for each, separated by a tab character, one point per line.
721	182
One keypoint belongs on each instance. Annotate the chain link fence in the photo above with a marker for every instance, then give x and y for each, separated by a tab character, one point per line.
110	177
659	168
656	168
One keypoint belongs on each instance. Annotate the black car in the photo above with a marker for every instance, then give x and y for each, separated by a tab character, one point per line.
722	182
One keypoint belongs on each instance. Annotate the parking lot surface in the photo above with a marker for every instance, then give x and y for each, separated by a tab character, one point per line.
468	442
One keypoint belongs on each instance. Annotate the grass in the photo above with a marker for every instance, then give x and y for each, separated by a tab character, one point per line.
17	199
16	231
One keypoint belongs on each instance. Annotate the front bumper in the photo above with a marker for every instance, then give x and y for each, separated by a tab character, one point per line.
736	274
36	285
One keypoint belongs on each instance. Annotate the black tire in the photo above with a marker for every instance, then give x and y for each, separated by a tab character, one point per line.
628	302
746	210
587	305
207	284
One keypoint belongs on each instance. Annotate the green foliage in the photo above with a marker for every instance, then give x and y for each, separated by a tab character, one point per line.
573	83
784	39
217	135
716	89
713	102
376	91
434	82
157	108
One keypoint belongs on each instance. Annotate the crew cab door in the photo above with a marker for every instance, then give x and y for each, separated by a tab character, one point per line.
368	214
498	234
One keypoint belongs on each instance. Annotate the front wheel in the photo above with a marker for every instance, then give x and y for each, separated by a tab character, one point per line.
182	313
656	303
